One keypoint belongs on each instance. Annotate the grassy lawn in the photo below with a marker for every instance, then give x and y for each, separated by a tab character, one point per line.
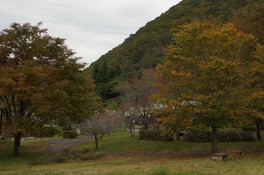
250	165
30	151
121	143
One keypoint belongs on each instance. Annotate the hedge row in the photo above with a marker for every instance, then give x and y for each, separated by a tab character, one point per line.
223	136
154	135
45	132
249	128
70	134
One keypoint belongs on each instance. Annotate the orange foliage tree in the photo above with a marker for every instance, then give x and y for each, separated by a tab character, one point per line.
204	77
40	82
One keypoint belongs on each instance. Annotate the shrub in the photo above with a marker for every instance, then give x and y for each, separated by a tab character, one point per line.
235	136
223	136
70	134
197	136
247	137
50	132
229	136
249	128
154	135
45	132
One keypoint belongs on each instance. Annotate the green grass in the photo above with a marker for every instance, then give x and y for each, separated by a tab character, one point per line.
30	151
121	143
249	165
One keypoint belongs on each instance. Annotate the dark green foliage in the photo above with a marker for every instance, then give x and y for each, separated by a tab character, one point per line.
154	135
107	90
250	19
145	48
235	136
223	136
197	136
45	132
249	128
70	134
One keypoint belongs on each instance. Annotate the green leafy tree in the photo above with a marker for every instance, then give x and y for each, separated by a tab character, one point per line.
41	81
204	76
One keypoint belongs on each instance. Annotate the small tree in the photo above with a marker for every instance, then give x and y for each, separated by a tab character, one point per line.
99	124
136	95
130	120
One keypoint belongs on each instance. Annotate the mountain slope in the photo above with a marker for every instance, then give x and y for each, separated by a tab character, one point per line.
145	48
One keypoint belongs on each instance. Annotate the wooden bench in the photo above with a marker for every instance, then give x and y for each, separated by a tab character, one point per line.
220	156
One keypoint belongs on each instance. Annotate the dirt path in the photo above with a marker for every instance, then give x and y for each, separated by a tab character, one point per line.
57	145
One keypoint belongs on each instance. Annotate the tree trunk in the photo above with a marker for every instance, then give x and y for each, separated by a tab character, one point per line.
258	127
96	141
146	124
132	132
131	128
214	140
178	136
17	140
1	123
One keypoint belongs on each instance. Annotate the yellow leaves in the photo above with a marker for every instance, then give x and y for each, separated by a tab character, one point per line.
205	68
12	129
180	73
258	94
165	120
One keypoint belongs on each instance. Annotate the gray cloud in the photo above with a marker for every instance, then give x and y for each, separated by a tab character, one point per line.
90	27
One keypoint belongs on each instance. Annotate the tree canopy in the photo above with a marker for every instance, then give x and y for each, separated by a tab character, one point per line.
205	77
41	81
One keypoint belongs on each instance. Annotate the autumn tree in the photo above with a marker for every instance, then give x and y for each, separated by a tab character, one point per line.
100	123
41	81
205	76
130	119
255	76
250	19
136	97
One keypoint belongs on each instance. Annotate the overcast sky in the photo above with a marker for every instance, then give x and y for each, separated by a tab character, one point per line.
91	27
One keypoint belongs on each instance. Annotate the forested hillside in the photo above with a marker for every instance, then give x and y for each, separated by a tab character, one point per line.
145	48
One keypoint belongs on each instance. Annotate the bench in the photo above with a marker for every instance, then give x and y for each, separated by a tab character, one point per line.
220	156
